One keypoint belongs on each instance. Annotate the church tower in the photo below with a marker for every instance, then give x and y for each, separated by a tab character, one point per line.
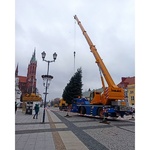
31	74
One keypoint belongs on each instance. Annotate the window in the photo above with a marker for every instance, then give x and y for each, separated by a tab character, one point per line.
126	93
132	97
131	92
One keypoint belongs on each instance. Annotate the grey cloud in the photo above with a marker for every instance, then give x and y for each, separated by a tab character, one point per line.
49	26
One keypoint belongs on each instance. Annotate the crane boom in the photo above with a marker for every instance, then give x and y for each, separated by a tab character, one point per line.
112	92
99	61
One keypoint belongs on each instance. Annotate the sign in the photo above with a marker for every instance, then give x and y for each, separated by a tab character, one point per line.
31	98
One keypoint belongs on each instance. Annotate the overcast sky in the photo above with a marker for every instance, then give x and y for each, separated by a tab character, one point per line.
49	26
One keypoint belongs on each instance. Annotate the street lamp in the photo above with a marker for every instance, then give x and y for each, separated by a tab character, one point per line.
46	79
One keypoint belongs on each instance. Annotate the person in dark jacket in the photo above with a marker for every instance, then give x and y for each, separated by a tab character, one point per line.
36	109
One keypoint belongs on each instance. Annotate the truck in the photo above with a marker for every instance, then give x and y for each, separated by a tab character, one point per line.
28	101
31	97
110	102
63	105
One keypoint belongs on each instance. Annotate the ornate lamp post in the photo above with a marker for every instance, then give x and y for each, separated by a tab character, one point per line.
46	79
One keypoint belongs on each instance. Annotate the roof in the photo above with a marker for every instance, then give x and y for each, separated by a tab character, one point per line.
33	59
126	81
130	80
22	79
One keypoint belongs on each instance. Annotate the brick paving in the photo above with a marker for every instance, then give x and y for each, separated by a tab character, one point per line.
71	133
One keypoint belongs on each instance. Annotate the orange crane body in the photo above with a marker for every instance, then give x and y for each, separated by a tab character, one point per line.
110	93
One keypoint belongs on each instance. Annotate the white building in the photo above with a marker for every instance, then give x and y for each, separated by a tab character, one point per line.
17	90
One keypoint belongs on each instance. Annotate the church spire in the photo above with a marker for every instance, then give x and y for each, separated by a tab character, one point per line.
33	59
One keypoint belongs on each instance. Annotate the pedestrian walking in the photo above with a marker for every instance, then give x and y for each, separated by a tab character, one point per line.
36	109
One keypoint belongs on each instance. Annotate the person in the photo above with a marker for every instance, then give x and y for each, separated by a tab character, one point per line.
104	114
133	112
15	107
36	109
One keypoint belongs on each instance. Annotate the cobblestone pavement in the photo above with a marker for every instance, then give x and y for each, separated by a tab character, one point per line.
32	134
118	135
75	132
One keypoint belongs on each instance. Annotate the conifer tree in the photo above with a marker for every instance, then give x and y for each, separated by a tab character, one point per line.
74	88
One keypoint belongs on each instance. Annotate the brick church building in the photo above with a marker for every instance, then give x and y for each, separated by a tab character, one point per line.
27	84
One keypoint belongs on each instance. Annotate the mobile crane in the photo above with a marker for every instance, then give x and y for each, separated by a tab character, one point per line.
111	100
62	104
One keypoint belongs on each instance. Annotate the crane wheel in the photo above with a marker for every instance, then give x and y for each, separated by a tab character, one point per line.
100	112
82	110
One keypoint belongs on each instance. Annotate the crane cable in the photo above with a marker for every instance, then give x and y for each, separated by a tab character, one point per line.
74	43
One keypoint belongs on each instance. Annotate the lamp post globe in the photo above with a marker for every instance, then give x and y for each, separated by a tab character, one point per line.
54	56
46	80
43	55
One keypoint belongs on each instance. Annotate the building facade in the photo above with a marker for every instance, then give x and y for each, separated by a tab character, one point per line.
128	84
17	90
131	94
27	84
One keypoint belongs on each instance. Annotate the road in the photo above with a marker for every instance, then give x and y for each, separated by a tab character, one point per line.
117	135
